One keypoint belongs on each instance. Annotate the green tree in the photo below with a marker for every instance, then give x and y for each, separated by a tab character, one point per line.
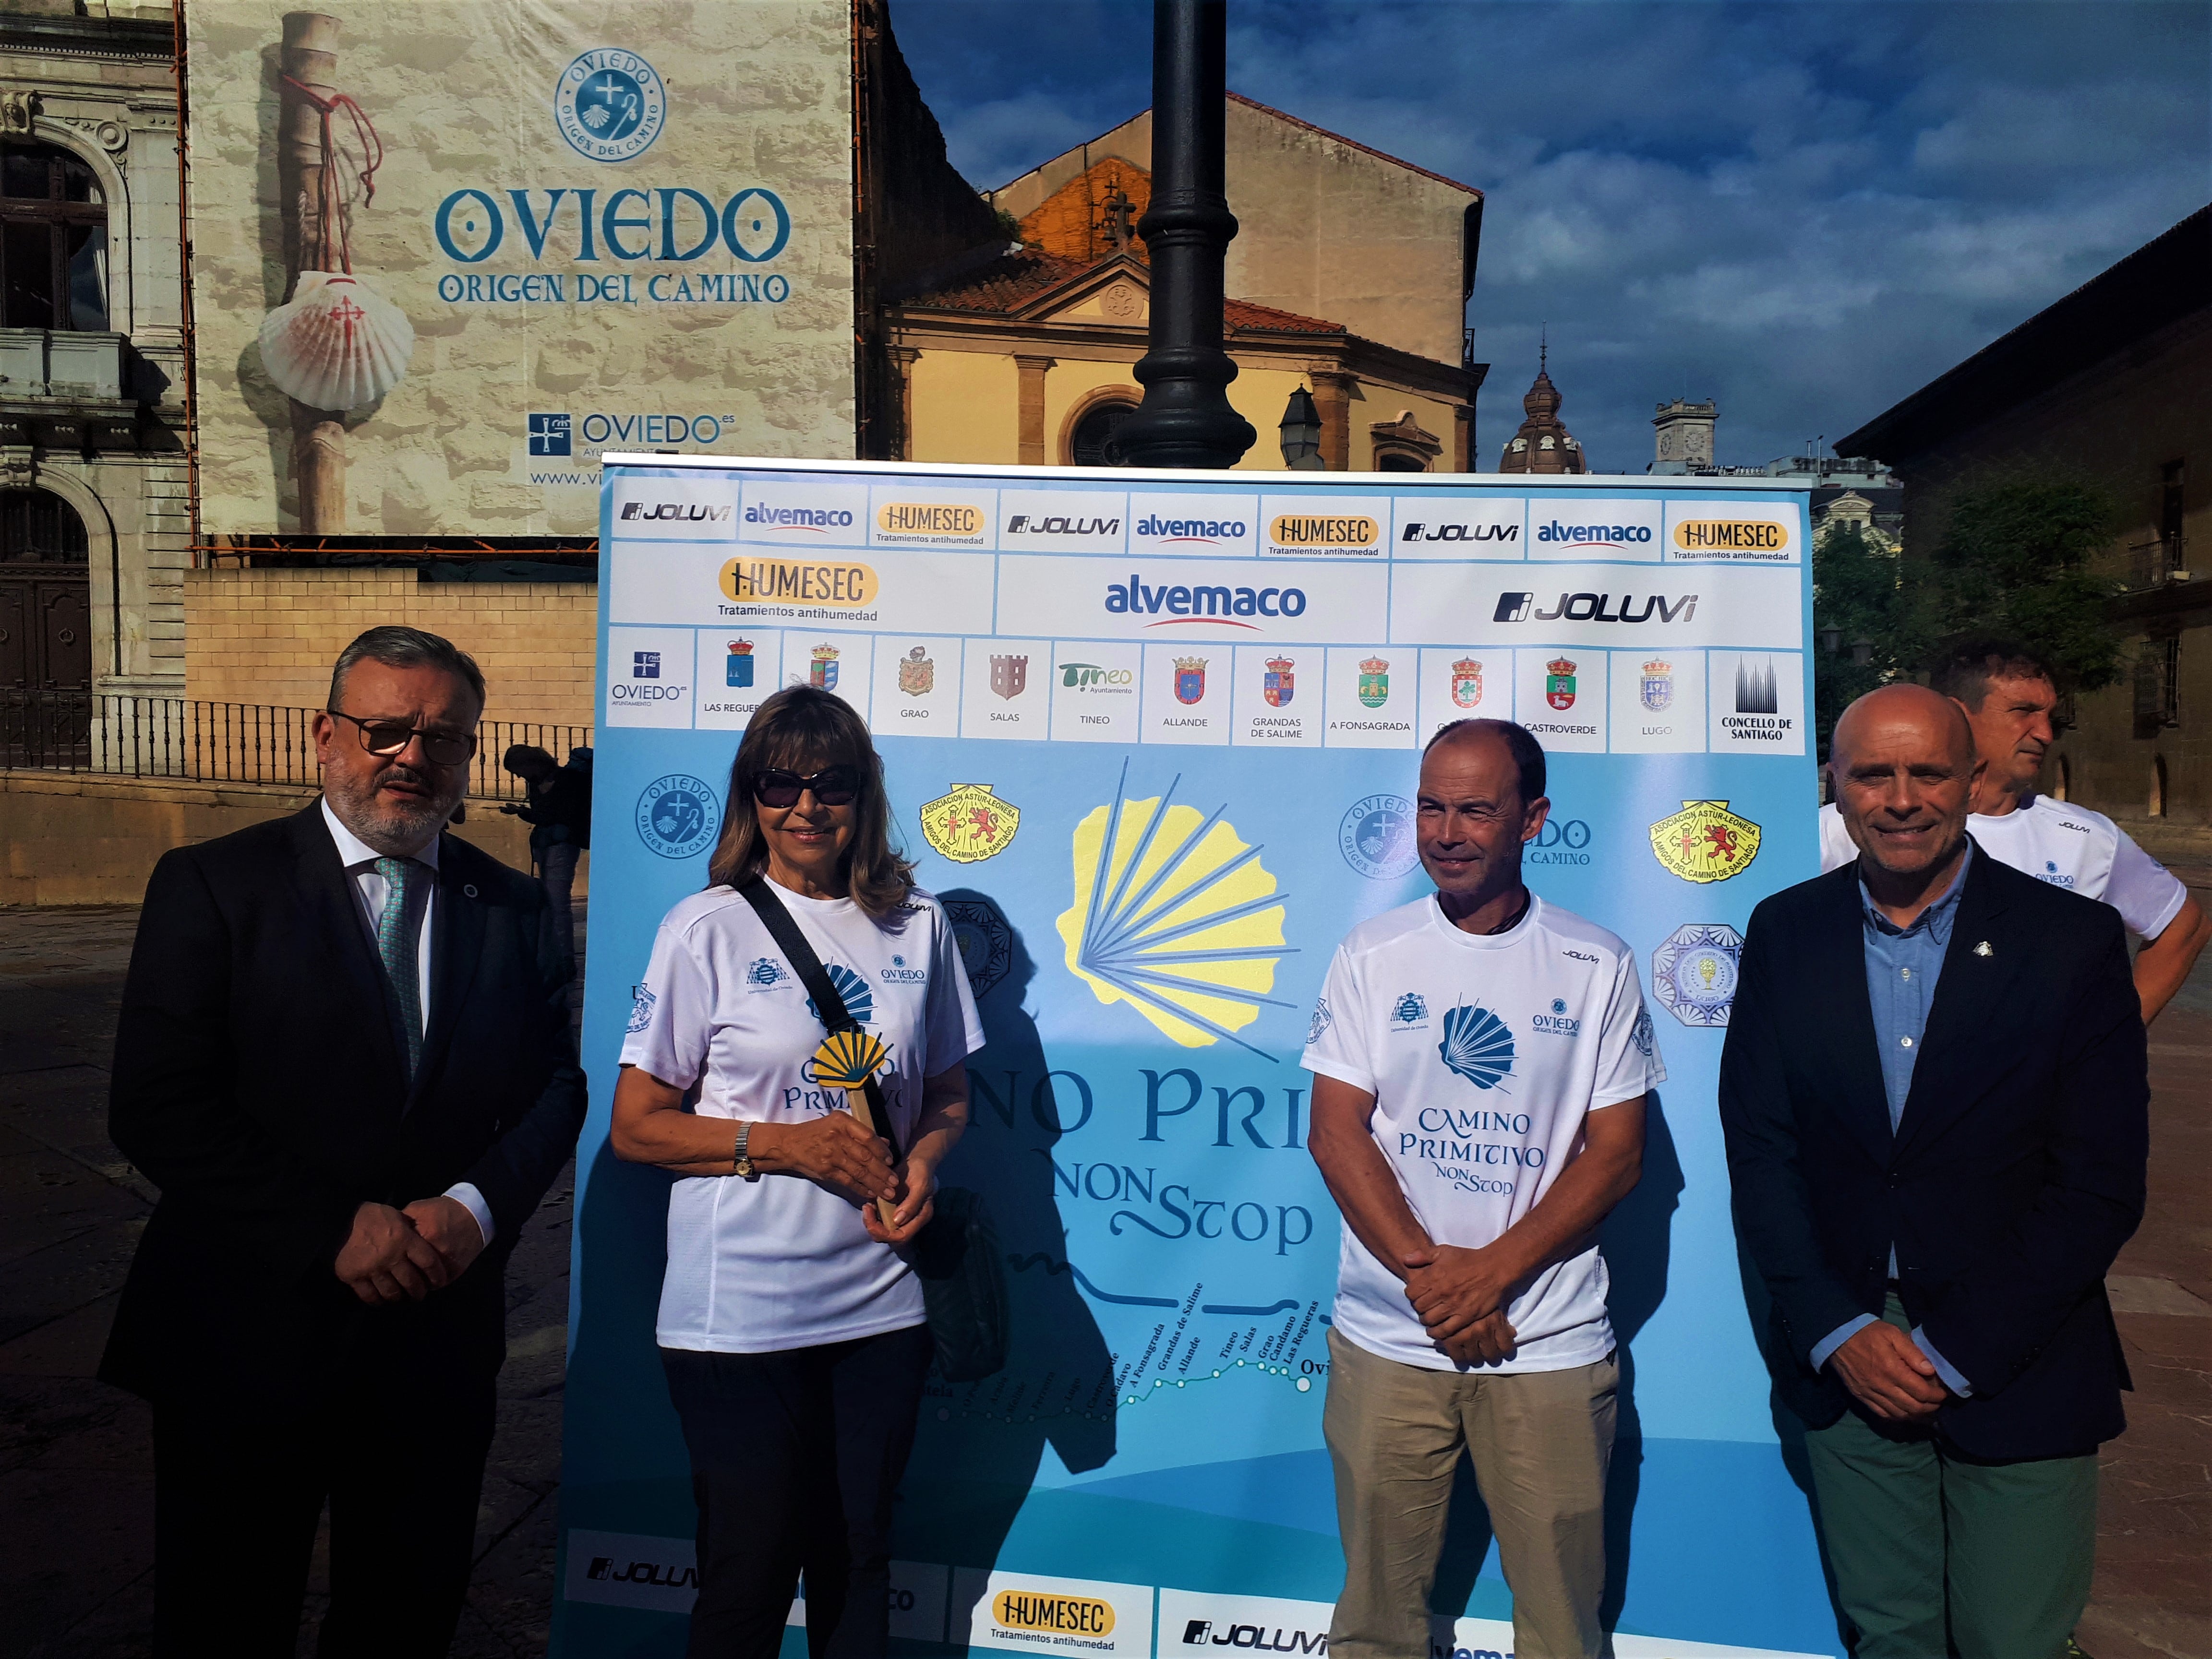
2014	561
1858	604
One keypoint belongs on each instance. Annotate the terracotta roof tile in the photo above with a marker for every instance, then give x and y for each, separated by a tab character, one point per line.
1013	280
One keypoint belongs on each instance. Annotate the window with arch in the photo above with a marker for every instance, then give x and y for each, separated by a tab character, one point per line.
39	527
1087	444
1398	460
54	240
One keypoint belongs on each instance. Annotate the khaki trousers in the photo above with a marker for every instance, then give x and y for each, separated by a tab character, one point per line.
1540	1442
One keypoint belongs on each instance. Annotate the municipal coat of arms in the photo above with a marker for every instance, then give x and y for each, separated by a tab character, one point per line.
1189	678
1278	685
1466	682
970	823
824	672
917	673
1657	688
1559	682
1009	676
1375	682
739	667
1704	842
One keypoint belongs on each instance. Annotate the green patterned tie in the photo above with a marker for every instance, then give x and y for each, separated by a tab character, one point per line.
395	943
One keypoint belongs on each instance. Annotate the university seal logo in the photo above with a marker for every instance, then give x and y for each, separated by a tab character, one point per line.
1694	973
1467	683
1704	842
970	823
610	105
676	816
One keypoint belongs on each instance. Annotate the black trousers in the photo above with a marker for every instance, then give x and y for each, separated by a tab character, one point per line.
795	1457
237	1496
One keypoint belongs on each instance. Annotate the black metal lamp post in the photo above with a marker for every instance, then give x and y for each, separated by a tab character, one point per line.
1301	433
1186	420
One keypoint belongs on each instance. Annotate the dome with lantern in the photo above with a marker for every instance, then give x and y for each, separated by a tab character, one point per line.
1543	444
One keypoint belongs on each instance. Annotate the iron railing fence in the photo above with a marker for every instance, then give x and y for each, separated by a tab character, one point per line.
223	741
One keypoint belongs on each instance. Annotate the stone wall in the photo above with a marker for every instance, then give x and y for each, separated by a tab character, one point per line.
269	636
80	838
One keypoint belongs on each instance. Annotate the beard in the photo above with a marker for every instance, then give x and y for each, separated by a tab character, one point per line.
395	825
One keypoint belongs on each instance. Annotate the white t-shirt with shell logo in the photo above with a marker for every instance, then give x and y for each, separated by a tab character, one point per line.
777	1263
1485	1052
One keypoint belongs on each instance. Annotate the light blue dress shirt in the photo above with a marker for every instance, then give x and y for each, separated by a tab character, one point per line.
1902	966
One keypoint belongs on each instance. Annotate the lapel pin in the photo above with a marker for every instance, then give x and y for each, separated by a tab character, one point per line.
1982	949
468	890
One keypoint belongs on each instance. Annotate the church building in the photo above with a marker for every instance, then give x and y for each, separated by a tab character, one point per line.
1349	277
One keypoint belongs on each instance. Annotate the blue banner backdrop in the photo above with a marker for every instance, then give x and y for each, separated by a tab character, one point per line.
1082	681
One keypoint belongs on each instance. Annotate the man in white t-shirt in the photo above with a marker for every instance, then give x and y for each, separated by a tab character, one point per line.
2008	694
1481	1060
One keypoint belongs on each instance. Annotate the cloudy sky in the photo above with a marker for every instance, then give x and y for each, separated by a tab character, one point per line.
1803	210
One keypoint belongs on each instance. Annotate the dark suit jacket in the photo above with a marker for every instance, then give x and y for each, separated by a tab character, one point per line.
2013	1176
259	1082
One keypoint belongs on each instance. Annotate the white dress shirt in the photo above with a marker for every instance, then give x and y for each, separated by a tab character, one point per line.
360	859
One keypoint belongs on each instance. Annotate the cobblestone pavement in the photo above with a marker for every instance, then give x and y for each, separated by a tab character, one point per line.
76	1474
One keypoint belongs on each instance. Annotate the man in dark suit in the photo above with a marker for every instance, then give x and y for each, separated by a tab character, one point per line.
1935	1099
344	1056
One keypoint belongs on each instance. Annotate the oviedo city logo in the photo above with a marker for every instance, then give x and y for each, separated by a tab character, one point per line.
750	580
1376	837
1704	842
970	823
1069	1615
676	816
1694	973
610	105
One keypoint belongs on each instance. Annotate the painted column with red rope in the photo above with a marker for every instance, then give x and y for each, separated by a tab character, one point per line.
309	65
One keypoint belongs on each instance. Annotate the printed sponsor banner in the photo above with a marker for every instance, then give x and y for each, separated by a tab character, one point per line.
1755	531
545	230
1149	842
1336	525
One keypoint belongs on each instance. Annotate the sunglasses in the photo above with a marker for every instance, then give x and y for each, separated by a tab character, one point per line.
383	737
833	786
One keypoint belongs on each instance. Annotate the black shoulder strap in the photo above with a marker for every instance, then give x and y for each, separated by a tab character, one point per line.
816	978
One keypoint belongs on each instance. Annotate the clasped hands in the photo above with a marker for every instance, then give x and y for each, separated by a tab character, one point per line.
837	1150
402	1256
1885	1370
1459	1296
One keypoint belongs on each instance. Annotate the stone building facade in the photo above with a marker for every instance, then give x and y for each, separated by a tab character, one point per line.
2107	386
95	521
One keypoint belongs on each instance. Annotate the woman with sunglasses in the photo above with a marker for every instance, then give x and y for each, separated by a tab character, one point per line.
791	1328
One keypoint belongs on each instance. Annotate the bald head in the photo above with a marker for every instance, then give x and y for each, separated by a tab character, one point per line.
1935	717
1903	765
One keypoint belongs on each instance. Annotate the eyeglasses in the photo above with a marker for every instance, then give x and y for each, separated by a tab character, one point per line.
391	738
833	786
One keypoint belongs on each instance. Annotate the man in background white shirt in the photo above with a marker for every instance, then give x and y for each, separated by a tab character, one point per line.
2008	693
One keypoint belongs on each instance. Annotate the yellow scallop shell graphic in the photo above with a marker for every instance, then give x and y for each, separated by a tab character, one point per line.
848	1059
1176	915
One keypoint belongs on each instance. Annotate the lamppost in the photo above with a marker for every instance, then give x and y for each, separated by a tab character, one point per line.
1301	433
1185	419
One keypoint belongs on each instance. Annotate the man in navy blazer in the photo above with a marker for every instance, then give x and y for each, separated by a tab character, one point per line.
1934	1094
343	1057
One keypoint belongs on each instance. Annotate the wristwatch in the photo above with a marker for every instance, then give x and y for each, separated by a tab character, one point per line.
741	1165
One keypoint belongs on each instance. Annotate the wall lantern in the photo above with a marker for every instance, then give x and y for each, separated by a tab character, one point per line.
1302	434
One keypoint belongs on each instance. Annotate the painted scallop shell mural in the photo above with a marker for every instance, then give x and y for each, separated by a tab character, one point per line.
336	343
